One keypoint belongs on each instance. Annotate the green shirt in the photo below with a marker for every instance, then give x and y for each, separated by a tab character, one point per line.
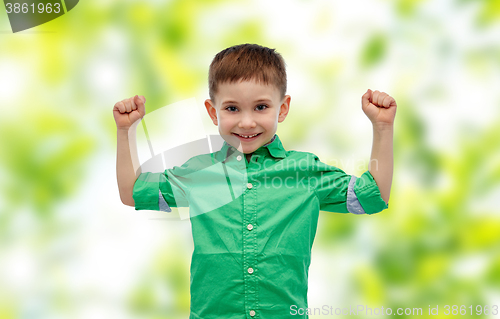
253	224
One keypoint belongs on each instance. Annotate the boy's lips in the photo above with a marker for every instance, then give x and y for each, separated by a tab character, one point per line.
247	137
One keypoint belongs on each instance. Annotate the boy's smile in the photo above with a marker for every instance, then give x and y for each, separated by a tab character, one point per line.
247	113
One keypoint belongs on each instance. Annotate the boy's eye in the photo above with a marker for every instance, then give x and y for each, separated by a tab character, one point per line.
261	107
231	108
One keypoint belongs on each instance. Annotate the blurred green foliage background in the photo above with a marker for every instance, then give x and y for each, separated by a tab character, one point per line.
70	249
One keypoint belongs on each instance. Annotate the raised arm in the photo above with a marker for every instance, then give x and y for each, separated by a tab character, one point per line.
381	110
127	114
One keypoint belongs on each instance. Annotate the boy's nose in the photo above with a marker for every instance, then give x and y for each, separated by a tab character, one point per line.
247	122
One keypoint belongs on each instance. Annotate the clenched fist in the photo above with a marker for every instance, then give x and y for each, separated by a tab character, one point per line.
129	111
380	107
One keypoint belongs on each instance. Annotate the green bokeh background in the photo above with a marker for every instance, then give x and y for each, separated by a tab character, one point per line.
70	249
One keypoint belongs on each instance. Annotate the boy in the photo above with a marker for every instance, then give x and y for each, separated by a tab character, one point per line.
252	248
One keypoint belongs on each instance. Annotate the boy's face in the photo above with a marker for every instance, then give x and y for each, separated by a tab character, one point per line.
247	113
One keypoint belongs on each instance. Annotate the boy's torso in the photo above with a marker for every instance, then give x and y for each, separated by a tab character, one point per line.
254	224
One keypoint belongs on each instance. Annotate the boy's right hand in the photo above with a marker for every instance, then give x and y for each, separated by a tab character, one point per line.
129	111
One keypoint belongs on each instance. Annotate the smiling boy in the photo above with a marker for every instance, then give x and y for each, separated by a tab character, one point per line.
254	220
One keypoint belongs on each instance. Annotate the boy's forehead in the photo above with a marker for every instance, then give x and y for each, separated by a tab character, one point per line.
246	90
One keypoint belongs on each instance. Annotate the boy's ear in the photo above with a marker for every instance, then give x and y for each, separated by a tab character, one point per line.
212	112
284	108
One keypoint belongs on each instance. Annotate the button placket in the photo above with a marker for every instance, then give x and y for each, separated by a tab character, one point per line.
250	248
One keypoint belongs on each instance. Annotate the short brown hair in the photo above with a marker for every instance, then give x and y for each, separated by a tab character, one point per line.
247	62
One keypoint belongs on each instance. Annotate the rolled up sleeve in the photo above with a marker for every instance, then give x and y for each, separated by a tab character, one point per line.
146	190
343	193
368	194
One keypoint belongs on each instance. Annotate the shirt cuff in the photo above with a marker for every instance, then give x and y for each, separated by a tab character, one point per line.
353	204
162	204
365	195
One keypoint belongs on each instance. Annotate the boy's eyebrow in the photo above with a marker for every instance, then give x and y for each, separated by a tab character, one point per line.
263	100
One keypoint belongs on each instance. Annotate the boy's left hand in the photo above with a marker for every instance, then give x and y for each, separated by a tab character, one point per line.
380	107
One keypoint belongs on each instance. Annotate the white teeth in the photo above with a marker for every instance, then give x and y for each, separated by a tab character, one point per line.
248	136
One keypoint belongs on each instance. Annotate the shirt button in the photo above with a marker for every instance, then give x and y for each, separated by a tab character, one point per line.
238	157
250	270
249	185
249	226
252	313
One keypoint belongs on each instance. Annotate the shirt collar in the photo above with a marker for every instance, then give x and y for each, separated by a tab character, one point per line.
273	148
